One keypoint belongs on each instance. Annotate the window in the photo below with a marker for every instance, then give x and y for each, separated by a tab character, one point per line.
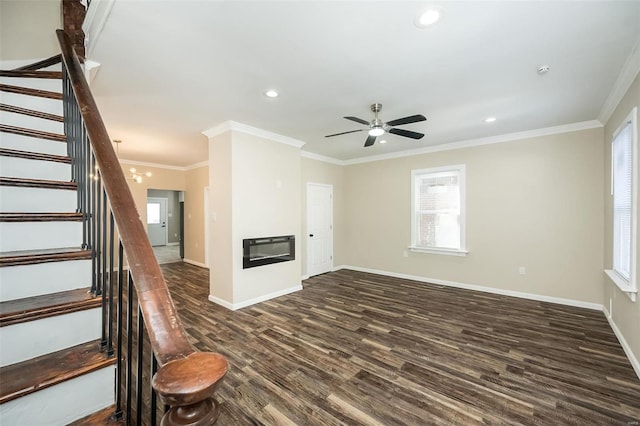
624	164
153	213
437	223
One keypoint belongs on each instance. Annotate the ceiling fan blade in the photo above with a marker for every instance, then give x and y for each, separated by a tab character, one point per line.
406	120
358	120
370	140
344	133
407	133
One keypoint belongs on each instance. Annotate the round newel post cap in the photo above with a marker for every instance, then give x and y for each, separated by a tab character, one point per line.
189	380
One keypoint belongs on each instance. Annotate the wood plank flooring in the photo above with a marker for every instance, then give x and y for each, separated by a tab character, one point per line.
356	348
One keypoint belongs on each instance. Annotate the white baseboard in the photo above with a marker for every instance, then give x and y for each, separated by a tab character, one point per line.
305	277
627	349
193	262
244	304
174	244
475	287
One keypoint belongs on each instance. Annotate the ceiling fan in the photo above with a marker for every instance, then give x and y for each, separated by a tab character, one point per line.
377	127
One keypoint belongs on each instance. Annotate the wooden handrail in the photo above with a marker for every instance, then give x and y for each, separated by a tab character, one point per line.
174	381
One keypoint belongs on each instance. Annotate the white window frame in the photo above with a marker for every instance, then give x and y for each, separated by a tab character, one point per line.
414	247
629	286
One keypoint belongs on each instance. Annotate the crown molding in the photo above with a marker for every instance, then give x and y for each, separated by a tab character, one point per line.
198	165
628	73
254	131
324	158
509	137
164	166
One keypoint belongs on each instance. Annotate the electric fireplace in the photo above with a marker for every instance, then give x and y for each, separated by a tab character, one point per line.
267	250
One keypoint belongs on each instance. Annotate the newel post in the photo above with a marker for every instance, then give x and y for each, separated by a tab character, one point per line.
187	385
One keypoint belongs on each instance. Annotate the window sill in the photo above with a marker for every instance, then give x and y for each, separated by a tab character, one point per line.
622	284
448	252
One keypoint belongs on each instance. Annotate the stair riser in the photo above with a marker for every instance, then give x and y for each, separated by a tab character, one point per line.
15	236
17	282
13	199
62	403
29	122
52	85
34	169
31	339
24	143
52	106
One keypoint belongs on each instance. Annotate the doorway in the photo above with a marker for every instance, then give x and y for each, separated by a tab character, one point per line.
164	224
157	221
319	228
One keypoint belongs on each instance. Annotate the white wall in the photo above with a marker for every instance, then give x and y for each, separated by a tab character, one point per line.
255	192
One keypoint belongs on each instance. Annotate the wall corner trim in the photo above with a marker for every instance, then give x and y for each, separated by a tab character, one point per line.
195	263
254	131
249	302
482	288
635	363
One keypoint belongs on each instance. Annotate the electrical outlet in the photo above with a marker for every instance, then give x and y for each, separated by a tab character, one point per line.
522	270
405	254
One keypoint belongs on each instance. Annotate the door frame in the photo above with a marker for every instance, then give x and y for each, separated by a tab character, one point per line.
306	235
166	218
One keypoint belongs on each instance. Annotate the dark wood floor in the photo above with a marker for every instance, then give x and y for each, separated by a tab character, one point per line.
356	348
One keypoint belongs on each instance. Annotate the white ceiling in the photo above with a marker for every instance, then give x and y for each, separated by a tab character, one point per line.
172	69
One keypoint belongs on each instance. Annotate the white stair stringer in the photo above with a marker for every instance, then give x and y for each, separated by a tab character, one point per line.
34	169
26	143
37	200
34	338
19	236
19	282
63	403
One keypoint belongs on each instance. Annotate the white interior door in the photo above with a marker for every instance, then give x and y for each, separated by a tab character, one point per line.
319	228
157	221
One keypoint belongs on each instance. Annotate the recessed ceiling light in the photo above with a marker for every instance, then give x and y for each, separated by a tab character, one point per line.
428	17
490	119
543	69
271	94
383	141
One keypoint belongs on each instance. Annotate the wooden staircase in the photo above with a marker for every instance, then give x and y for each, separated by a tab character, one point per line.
52	367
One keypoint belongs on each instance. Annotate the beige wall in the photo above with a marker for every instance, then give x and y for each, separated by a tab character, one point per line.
625	314
314	171
221	234
27	29
197	180
263	200
535	203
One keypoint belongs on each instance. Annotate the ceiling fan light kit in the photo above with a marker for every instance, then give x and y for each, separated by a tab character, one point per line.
377	127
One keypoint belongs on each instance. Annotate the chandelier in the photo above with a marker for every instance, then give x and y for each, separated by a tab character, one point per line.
135	175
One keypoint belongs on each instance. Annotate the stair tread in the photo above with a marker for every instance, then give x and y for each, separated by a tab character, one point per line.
31	112
33	133
27	257
46	305
40	217
38	183
30	92
54	75
102	417
34	155
48	370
